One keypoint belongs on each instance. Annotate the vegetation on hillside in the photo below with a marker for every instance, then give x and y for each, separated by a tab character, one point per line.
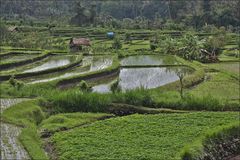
167	72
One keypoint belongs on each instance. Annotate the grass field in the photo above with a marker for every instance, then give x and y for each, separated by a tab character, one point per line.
231	67
223	84
138	136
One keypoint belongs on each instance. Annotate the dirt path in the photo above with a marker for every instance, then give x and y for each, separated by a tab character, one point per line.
10	146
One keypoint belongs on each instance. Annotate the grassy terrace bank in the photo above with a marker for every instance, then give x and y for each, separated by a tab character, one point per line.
10	53
158	136
31	117
136	136
27	115
221	142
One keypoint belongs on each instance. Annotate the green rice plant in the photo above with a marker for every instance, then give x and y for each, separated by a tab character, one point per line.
77	101
206	102
139	96
84	86
160	136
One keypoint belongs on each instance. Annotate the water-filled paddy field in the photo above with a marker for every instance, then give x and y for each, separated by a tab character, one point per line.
48	63
129	78
52	63
147	77
132	78
149	60
89	64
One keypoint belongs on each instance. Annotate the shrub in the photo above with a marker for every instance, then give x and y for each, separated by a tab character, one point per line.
84	86
120	54
128	37
153	46
12	81
117	43
19	85
15	83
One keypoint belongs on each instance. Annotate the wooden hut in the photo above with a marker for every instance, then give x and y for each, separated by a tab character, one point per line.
77	44
13	29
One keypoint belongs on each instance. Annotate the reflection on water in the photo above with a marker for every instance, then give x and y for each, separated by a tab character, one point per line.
149	60
52	63
146	77
102	88
132	78
95	63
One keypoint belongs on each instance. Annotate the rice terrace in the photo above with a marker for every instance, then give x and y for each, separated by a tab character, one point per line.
120	80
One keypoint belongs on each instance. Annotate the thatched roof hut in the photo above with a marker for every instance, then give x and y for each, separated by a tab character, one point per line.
13	29
77	42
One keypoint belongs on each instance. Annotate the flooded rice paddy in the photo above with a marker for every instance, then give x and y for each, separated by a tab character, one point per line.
148	77
132	78
149	60
89	64
52	62
47	63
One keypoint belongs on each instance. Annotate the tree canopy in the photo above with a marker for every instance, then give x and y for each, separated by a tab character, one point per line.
195	13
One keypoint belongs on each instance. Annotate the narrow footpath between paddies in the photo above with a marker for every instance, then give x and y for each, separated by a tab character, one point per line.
11	148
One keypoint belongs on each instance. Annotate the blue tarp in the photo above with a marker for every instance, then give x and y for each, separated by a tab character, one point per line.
110	34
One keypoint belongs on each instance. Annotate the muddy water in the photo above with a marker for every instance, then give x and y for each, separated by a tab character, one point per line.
132	78
94	62
149	60
11	149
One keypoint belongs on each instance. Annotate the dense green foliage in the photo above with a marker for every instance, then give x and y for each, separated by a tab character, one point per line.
138	136
151	14
193	34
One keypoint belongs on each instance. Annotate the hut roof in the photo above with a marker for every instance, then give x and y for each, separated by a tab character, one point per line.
12	28
80	41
